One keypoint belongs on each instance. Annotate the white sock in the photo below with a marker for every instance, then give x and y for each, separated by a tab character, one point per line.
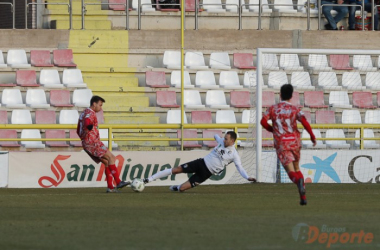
160	174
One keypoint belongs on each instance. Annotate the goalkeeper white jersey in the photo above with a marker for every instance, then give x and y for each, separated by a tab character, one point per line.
221	156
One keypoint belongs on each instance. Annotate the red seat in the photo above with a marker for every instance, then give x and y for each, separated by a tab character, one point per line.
100	116
8	134
209	133
155	79
268	99
378	99
296	99
26	78
240	99
45	117
40	58
267	143
60	98
362	100
74	135
114	6
324	117
189	133
307	116
55	134
243	61
190	5
3	117
314	99
63	58
166	99
340	62
202	117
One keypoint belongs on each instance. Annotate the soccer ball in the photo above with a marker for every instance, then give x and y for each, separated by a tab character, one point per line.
137	185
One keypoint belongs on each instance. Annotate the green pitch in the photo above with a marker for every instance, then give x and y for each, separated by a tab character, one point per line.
254	216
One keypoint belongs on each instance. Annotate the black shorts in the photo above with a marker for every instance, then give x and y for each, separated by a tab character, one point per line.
198	167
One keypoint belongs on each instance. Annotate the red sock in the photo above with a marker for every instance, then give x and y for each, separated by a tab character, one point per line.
293	177
114	173
109	178
300	176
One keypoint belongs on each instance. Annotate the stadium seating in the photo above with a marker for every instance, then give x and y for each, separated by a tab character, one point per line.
21	116
201	117
9	134
314	99
16	58
55	134
254	6
60	98
12	99
372	117
247	115
195	60
146	5
155	79
336	133
339	99
213	6
243	61
318	62
192	99
267	143
308	143
40	58
36	98
340	62
100	117
175	79
351	117
174	117
270	62
220	60
328	81
368	133
209	133
240	99
73	135
26	78
307	115
363	62
172	59
277	79
225	116
206	80
324	117
352	81
114	6
31	134
268	99
190	5
103	134
301	80
362	99
279	6
49	78
372	80
3	117
166	99
82	97
63	58
72	78
250	80
296	99
189	133
378	99
2	63
45	117
67	116
216	99
290	62
229	80
166	8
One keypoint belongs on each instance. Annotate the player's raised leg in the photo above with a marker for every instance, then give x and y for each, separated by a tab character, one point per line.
164	173
110	168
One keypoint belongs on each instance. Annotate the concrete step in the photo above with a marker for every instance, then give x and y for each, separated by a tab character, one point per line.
131	120
122	103
101	60
111	81
83	41
91	25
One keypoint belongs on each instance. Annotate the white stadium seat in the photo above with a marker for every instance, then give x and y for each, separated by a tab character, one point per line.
205	80
11	98
192	99
229	80
368	133
175	79
16	58
195	60
301	80
336	133
172	59
174	117
216	99
36	98
352	81
31	134
67	116
49	78
328	81
220	60
72	78
82	98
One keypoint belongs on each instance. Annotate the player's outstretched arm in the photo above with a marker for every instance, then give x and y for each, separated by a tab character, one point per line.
218	139
306	125
265	124
241	170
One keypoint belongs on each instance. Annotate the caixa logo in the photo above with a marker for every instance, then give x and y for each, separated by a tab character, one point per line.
89	172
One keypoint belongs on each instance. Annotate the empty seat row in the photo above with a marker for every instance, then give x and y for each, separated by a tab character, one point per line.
36	98
16	58
49	78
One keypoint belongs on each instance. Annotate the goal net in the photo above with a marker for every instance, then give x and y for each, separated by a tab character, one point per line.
339	93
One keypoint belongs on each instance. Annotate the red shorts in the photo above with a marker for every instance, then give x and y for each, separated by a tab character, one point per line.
288	156
95	150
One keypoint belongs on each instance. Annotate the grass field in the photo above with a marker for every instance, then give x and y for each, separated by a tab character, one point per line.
253	216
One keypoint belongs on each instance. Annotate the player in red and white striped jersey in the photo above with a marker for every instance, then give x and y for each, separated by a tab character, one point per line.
284	117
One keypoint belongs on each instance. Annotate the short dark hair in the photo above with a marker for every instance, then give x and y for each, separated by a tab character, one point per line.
286	92
96	99
232	135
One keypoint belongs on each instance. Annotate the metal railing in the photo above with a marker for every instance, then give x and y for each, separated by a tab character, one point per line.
13	12
69	5
139	10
